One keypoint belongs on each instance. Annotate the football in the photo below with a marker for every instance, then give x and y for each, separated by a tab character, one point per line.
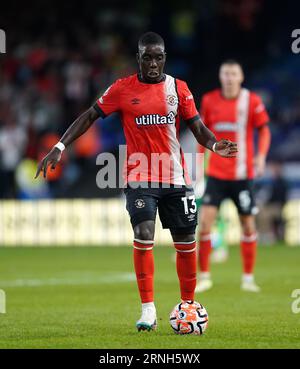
189	318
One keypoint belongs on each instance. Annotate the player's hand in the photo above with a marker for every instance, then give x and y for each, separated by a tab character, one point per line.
52	158
226	148
260	165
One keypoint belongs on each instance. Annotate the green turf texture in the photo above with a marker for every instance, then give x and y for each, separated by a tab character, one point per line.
79	302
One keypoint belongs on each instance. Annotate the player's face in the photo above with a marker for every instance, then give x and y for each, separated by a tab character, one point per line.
231	76
151	59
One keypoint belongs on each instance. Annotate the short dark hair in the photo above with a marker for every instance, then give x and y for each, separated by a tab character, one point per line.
231	62
150	38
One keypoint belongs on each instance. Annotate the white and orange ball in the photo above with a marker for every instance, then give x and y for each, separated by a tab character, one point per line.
189	318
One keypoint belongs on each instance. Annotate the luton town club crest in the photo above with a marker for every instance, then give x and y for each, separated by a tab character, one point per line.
139	203
172	100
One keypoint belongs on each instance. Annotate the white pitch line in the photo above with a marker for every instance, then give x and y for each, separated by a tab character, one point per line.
105	279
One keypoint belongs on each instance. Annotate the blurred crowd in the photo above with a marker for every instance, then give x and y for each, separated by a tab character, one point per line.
57	64
46	82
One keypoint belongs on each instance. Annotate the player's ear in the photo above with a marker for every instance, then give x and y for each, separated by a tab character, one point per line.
242	78
242	75
138	58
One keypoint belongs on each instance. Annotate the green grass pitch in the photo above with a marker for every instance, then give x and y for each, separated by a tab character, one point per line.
87	298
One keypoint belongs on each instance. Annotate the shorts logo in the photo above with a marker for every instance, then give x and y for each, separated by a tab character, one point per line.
191	217
172	100
139	203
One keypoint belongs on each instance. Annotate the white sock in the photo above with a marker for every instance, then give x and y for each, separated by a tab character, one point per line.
147	305
204	275
248	278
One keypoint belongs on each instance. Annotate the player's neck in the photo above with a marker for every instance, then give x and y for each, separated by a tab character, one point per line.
145	80
231	93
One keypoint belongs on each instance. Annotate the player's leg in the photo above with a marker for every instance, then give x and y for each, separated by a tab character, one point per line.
212	198
248	252
144	270
243	197
208	214
186	262
178	212
142	205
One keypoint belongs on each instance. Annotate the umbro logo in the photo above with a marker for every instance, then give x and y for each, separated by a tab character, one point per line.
135	101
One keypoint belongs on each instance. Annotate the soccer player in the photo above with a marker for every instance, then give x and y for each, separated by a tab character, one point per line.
150	104
233	112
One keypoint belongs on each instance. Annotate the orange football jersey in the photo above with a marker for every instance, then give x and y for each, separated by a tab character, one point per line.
150	114
235	120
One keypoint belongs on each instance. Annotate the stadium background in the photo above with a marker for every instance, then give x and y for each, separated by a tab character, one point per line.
60	57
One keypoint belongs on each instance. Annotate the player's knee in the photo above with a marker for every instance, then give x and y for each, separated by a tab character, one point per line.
206	222
144	232
248	227
183	237
249	230
205	226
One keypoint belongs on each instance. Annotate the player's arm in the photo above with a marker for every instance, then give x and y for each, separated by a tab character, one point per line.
107	104
206	138
264	141
260	120
76	129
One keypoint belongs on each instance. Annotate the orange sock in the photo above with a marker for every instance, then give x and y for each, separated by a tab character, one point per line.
186	264
204	252
248	252
144	268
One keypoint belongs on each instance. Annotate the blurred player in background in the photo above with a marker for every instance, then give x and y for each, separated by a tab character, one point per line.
233	112
219	244
150	104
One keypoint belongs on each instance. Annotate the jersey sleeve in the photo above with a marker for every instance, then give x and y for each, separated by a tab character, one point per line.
260	115
204	110
187	108
109	102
